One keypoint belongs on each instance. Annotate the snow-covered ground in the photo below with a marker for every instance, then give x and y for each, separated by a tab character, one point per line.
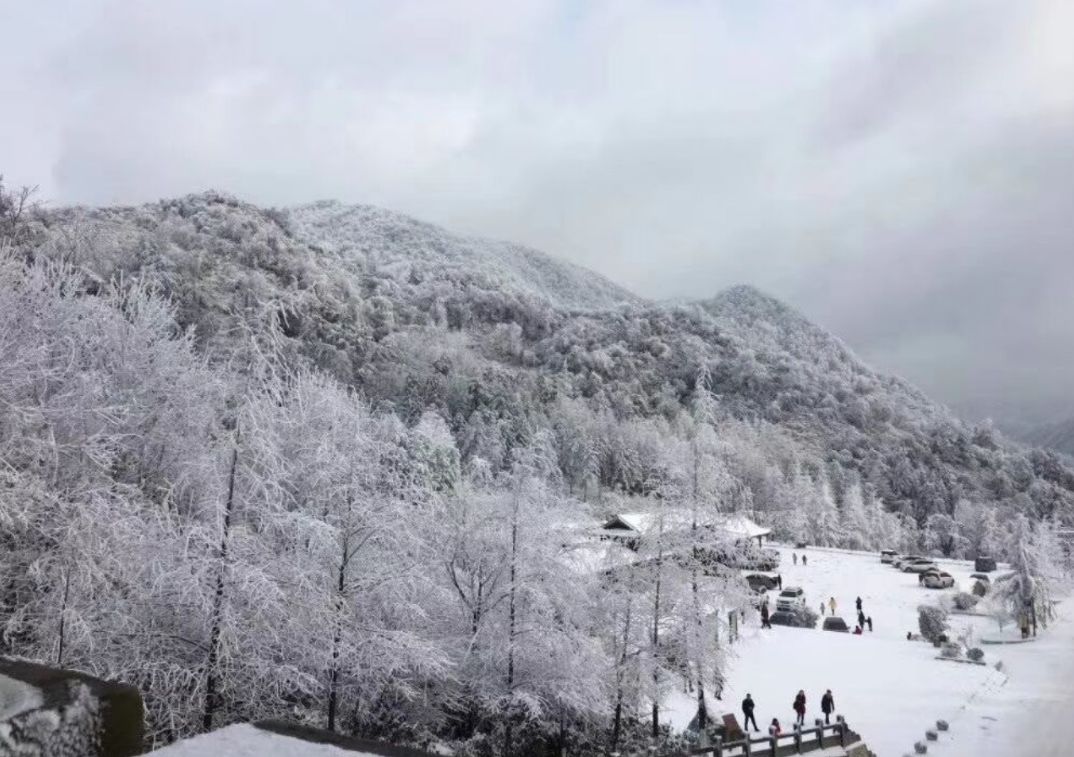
890	689
244	740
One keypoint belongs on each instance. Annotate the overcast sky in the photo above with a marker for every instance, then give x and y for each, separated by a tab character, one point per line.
903	173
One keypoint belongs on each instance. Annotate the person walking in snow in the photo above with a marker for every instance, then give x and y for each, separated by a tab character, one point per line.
799	707
827	706
765	622
747	711
803	560
857	604
831	604
861	619
779	581
869	621
794	556
822	608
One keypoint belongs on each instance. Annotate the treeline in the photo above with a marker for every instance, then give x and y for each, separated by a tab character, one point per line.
249	540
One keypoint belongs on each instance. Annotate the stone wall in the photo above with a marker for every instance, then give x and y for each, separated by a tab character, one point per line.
49	712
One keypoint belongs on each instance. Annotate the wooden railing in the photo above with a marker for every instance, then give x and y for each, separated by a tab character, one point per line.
796	741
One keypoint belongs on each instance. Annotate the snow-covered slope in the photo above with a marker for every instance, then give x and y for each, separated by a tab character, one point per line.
399	245
489	333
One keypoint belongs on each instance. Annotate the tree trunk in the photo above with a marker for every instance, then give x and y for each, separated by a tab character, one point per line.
507	733
617	717
337	639
212	697
656	638
63	615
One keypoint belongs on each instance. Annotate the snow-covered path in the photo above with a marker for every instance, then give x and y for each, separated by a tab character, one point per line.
1032	712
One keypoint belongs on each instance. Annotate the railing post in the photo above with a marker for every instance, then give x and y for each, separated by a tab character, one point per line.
747	746
820	732
717	747
774	745
842	730
797	738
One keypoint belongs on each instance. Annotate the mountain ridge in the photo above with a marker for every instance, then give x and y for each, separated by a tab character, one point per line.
500	340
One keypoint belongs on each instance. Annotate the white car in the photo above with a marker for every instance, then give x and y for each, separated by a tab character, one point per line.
938	580
919	566
790	598
888	556
902	561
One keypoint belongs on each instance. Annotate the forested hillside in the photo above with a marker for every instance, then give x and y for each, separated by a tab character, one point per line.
499	339
337	464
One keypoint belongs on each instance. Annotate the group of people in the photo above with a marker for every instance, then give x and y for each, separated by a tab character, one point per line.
794	556
827	706
862	619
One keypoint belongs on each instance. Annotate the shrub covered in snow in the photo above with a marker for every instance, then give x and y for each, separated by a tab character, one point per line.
976	654
932	621
964	601
951	649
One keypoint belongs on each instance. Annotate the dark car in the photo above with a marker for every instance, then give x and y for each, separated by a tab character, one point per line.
762	581
835	623
783	618
984	564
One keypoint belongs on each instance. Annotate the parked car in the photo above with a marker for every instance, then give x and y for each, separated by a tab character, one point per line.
900	562
800	545
919	567
835	623
938	580
984	564
790	597
762	581
783	618
888	556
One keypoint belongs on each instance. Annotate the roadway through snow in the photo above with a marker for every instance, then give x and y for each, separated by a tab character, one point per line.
1033	712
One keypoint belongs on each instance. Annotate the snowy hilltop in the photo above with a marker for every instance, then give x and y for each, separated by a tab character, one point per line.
496	337
333	464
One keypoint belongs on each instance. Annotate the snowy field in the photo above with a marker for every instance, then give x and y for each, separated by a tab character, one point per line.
888	689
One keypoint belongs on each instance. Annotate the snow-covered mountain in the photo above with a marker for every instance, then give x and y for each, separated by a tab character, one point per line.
400	245
1058	435
496	337
304	462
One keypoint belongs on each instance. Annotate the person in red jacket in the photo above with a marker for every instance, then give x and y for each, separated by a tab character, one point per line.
774	730
799	707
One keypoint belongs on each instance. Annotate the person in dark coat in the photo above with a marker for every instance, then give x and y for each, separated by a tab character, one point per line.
869	622
827	706
803	560
794	556
765	622
799	707
779	581
747	711
861	619
857	603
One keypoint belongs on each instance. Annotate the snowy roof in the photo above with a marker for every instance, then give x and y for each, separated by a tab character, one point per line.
743	527
596	556
639	522
737	526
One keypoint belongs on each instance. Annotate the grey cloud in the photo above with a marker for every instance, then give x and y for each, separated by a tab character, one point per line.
900	172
